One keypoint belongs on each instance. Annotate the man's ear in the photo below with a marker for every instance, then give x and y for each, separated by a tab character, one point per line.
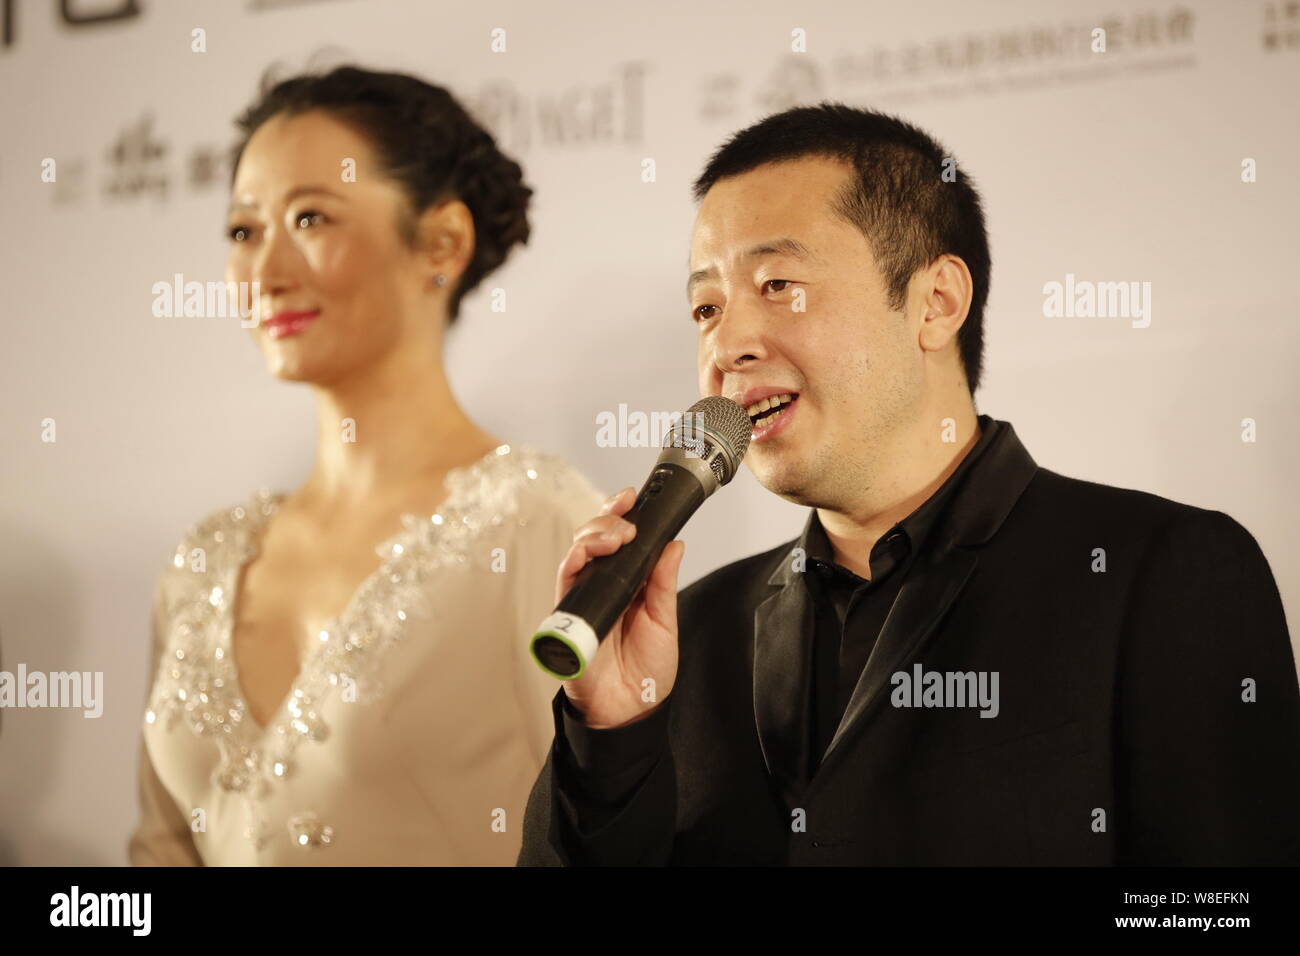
444	235
947	290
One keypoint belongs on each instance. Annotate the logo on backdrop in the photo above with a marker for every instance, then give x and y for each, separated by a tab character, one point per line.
1018	58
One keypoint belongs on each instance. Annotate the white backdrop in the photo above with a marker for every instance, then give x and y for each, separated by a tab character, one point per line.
1122	166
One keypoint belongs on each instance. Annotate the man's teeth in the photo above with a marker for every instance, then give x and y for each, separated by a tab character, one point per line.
775	404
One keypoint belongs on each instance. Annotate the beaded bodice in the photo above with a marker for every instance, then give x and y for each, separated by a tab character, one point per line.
196	683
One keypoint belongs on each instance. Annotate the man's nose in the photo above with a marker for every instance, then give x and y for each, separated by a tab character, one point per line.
740	337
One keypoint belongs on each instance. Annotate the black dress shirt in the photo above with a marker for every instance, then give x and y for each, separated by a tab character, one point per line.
850	610
608	764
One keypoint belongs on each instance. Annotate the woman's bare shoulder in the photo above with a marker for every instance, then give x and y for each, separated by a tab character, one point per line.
547	484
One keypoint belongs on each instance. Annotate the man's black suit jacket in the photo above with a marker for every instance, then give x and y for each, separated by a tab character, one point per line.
1148	712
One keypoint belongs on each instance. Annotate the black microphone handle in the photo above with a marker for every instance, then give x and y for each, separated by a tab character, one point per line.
606	586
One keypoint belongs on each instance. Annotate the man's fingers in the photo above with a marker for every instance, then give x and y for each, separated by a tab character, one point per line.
606	524
597	537
604	529
619	502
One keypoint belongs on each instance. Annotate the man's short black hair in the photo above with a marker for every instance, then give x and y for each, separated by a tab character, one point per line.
899	197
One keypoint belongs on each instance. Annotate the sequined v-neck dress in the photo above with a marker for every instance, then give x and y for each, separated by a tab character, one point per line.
415	729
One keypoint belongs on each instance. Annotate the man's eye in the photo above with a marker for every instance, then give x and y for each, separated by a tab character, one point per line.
308	218
238	233
695	314
781	282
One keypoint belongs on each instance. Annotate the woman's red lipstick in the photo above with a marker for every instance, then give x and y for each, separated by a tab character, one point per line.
283	324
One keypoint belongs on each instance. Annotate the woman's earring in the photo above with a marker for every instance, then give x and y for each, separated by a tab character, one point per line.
440	280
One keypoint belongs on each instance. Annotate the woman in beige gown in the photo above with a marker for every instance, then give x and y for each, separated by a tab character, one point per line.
311	703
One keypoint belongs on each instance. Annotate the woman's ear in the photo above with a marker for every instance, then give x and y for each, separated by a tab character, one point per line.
445	239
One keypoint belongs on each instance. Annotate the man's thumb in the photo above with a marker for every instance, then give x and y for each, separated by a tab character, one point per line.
663	581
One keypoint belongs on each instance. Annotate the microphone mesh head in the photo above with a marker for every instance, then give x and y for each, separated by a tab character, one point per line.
723	430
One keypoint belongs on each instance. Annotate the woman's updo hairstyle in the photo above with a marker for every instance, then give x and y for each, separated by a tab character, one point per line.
425	141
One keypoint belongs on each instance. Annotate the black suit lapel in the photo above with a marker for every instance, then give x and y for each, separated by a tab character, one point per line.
942	571
930	589
783	631
784	622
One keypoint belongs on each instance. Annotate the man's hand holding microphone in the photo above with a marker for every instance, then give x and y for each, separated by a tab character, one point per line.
643	641
617	586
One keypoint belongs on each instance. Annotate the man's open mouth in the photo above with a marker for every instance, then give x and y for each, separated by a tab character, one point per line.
765	411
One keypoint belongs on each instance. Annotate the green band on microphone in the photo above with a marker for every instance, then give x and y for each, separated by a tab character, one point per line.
563	645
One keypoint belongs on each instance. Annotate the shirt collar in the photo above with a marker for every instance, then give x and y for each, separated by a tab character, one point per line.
914	530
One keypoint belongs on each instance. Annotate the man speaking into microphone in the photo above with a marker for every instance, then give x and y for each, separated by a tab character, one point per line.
964	658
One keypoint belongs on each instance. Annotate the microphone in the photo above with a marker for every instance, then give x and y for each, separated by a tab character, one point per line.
702	453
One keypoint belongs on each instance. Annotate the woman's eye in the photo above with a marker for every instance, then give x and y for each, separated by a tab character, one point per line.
238	233
695	313
305	219
781	282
